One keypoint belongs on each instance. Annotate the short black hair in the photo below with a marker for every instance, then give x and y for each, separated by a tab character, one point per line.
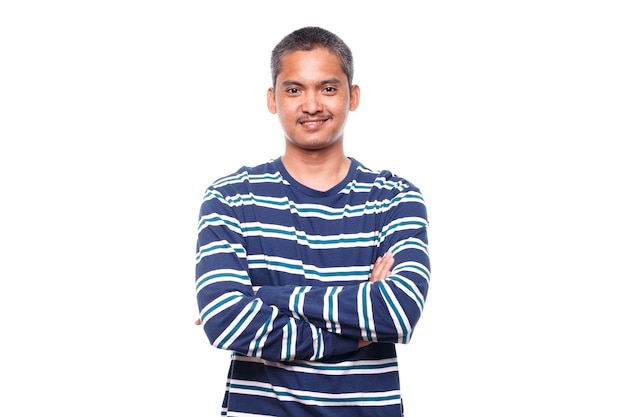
307	39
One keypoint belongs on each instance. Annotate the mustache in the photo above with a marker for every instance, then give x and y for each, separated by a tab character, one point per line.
303	119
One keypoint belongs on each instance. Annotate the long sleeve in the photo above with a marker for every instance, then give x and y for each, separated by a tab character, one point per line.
282	281
232	316
384	311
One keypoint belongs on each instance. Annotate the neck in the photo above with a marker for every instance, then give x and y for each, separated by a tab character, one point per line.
318	170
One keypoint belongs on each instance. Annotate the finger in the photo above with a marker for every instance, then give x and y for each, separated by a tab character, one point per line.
382	267
388	263
379	271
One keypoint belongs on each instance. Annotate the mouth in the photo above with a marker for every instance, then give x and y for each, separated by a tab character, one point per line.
313	123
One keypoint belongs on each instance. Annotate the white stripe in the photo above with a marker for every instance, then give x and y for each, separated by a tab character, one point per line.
398	318
262	333
398	225
238	414
361	367
299	294
412	244
269	177
238	296
316	335
251	199
348	240
334	309
220	246
230	275
288	348
294	266
413	267
321	398
366	289
251	309
206	221
321	211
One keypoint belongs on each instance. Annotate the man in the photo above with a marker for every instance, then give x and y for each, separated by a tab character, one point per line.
310	267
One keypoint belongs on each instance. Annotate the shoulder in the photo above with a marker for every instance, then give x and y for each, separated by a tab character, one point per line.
398	196
383	180
242	178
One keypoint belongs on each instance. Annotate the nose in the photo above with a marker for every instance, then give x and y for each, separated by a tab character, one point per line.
311	103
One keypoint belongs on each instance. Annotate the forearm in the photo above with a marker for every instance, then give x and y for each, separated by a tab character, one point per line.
232	317
244	324
382	310
235	319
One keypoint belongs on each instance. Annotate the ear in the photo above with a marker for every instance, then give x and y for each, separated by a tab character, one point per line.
271	100
355	97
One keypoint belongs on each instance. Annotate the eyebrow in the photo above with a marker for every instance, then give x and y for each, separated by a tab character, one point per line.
319	84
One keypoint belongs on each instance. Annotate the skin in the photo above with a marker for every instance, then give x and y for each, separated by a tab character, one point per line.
312	100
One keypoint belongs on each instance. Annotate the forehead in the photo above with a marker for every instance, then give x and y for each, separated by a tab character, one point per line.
313	65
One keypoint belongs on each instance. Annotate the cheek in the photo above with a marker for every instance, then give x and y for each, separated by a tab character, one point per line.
286	118
287	111
340	106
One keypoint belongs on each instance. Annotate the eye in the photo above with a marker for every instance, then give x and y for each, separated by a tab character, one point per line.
292	90
330	89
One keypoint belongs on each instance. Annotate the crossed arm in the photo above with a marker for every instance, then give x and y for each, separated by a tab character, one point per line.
380	271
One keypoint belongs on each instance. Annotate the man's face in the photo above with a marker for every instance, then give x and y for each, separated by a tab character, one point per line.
312	99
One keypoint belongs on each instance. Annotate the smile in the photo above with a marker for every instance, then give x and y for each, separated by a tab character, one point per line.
313	122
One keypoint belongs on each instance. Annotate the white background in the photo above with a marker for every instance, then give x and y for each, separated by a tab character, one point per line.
115	116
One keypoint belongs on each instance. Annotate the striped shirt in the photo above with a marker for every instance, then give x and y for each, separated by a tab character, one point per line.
282	282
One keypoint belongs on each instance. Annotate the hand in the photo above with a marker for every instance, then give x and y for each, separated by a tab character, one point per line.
382	268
